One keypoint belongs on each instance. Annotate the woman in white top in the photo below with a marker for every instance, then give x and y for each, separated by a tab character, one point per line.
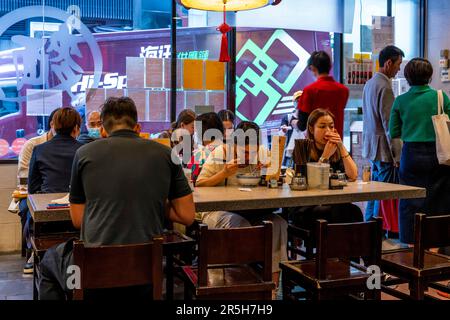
222	167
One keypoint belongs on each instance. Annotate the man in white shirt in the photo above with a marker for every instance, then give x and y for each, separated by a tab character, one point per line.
22	173
27	150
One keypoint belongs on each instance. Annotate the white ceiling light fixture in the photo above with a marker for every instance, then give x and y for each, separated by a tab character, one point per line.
231	5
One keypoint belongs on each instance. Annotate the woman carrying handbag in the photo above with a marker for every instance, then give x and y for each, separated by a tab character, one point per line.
412	121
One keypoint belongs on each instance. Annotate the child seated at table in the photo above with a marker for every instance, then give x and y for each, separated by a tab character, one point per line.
222	167
324	145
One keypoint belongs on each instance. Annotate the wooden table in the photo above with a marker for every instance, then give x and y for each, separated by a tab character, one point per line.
230	198
37	204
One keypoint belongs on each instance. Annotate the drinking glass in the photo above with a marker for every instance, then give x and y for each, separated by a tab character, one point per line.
367	173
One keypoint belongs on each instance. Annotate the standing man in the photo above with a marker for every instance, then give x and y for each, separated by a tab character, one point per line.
93	126
325	93
121	190
378	99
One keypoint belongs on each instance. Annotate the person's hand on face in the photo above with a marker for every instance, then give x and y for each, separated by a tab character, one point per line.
231	167
333	137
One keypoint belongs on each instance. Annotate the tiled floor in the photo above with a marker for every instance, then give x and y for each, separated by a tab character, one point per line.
16	286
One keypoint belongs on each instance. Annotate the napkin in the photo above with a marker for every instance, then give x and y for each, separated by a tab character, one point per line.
64	201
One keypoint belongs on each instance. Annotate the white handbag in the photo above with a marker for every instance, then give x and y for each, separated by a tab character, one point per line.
441	123
14	206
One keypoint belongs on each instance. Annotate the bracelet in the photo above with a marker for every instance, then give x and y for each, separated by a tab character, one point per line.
346	156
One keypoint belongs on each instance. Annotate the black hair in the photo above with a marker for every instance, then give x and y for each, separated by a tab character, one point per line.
186	116
418	72
50	117
246	126
226	115
321	61
65	120
118	112
210	120
390	53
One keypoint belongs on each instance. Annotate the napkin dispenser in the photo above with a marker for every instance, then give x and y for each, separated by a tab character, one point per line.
318	175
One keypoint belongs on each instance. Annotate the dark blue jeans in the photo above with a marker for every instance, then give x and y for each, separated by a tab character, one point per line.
381	172
27	222
53	276
419	167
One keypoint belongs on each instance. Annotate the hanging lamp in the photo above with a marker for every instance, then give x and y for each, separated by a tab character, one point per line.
231	5
224	6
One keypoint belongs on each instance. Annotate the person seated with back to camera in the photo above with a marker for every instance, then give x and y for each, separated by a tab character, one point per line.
324	145
219	172
51	162
116	200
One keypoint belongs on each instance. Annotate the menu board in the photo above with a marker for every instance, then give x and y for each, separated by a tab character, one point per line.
383	33
43	102
154	73
135	76
215	75
193	74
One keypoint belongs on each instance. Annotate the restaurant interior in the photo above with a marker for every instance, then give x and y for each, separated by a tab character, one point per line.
241	150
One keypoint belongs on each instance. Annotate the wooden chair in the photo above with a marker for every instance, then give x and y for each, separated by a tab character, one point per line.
296	234
419	266
179	251
233	264
119	266
296	237
332	274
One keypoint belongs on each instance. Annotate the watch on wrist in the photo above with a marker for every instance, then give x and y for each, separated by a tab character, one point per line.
323	160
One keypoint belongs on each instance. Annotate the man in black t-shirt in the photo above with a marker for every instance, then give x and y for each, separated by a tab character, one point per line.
121	189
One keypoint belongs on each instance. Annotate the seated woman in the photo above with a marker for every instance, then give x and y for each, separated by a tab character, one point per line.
211	135
184	127
242	159
228	119
323	144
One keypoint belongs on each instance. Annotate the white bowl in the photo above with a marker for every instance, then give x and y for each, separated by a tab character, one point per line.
248	180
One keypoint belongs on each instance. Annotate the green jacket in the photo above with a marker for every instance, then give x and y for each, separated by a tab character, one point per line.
411	114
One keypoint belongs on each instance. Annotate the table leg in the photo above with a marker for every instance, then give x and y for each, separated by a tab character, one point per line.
35	277
169	276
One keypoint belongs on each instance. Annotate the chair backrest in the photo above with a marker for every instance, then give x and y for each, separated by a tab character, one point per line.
429	232
234	246
163	141
346	241
120	266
